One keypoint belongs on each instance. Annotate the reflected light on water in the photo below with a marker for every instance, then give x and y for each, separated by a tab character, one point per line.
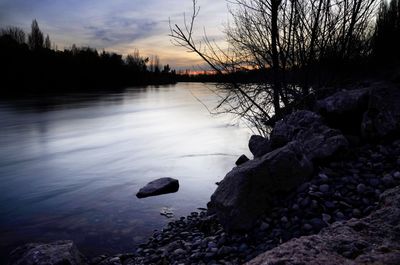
70	167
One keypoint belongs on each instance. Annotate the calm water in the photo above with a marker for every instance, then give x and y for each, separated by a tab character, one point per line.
70	169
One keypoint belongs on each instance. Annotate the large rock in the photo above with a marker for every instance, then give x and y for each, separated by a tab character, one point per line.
344	109
318	141
382	118
247	190
241	160
344	102
158	187
373	112
259	145
56	253
371	240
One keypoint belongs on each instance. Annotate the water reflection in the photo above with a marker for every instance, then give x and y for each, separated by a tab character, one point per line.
70	166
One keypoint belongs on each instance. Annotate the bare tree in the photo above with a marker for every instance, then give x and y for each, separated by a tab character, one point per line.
276	38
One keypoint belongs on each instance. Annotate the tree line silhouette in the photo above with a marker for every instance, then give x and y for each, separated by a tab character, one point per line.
31	64
291	49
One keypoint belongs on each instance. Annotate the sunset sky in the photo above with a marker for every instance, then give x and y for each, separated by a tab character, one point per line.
118	25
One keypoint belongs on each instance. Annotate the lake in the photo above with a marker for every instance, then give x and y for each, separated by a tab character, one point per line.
71	165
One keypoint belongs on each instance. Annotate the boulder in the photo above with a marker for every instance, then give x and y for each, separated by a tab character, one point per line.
289	127
259	145
158	187
382	118
247	191
344	102
372	113
56	253
344	109
241	160
372	240
318	141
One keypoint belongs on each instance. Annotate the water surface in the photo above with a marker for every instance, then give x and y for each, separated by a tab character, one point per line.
70	166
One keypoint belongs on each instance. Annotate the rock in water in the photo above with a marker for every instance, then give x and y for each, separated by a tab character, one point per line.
167	212
372	240
56	253
241	160
259	145
158	187
247	191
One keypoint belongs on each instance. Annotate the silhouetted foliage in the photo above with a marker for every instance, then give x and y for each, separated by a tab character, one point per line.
14	33
35	38
47	42
387	33
32	67
289	49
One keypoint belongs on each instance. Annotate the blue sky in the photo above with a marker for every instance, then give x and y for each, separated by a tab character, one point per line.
117	25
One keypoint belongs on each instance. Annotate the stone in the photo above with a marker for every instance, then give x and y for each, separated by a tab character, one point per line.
55	253
158	187
241	160
323	177
371	240
324	188
264	226
361	188
307	227
387	180
326	217
344	109
382	118
259	145
247	191
179	252
319	142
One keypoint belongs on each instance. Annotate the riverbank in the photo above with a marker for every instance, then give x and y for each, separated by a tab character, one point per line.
339	191
317	170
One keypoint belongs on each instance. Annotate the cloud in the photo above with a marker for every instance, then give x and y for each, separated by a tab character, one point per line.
117	25
115	30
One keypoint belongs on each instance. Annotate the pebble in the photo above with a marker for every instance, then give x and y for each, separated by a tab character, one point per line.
387	180
340	191
307	227
374	182
361	188
324	188
356	213
264	226
326	217
323	177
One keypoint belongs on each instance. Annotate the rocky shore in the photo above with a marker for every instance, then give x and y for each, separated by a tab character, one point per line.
334	168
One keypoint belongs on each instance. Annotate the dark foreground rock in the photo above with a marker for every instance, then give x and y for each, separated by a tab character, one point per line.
241	160
382	118
259	145
158	187
372	113
247	190
371	240
318	141
56	253
302	140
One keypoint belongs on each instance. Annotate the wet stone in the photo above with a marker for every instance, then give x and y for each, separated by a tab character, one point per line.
361	188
